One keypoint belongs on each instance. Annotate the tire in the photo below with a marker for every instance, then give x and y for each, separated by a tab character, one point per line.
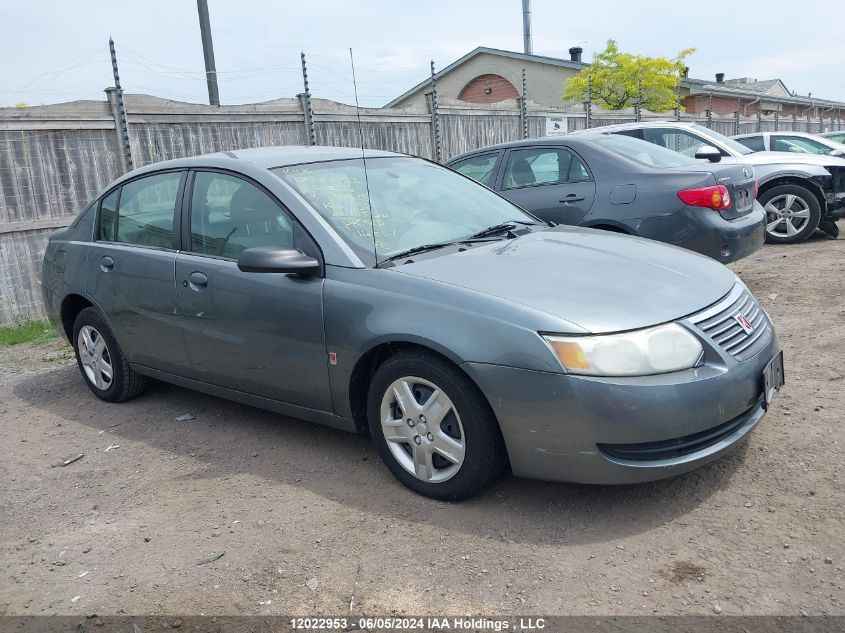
98	354
467	431
793	214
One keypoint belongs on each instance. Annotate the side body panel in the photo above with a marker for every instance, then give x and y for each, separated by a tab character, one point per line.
260	333
137	293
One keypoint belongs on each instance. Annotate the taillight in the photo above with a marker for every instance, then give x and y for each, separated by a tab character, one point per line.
716	197
756	189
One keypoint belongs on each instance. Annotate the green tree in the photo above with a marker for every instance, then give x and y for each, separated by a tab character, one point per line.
618	80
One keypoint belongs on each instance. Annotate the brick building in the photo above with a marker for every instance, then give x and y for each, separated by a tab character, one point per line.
489	75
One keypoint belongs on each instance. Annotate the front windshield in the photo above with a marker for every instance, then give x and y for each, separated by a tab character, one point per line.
414	203
739	148
643	151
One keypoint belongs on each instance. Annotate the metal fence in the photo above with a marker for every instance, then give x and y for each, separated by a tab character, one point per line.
55	159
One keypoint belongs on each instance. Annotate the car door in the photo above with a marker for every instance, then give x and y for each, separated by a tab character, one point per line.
260	333
130	268
553	183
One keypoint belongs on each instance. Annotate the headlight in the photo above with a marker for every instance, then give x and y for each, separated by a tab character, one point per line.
657	350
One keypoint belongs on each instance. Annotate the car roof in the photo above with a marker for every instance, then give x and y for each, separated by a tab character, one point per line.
770	132
264	157
633	126
546	141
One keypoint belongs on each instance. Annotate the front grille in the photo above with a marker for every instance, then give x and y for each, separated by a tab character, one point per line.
719	323
676	447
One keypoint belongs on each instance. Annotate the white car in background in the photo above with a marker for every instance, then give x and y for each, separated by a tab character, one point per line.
794	142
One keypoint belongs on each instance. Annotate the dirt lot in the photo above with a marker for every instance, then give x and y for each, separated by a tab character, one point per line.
309	521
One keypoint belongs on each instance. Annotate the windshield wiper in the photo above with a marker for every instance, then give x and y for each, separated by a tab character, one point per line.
510	225
418	249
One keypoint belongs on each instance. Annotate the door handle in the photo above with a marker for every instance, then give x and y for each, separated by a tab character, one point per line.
571	198
196	281
106	264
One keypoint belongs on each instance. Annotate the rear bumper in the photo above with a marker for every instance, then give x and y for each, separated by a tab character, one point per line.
705	231
572	428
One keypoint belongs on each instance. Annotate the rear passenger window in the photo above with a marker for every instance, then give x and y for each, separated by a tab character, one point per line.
229	214
478	168
543	166
145	211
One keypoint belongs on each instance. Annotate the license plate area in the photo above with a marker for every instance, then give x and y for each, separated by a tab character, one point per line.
773	379
743	202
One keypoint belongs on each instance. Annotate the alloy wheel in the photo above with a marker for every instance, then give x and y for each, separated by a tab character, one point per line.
95	358
786	215
423	429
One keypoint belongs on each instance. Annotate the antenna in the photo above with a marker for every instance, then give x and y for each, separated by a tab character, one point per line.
363	155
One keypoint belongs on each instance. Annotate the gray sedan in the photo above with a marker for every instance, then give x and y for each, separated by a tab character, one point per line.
627	185
391	296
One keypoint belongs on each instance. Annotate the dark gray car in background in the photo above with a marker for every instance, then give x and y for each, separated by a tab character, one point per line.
799	192
395	297
627	186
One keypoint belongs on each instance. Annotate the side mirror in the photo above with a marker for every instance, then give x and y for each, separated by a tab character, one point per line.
273	259
708	152
836	152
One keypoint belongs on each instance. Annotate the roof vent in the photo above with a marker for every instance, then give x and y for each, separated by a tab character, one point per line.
720	78
575	53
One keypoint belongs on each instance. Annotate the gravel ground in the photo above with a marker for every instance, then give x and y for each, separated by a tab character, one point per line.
308	521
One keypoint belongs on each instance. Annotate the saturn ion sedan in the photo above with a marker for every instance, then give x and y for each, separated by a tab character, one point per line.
385	294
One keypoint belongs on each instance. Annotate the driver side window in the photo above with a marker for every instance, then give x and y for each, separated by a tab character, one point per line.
675	139
229	215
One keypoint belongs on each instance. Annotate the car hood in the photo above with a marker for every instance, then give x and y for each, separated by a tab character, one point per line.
600	281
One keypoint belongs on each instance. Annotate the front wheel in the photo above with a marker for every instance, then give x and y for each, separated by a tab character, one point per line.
433	428
792	214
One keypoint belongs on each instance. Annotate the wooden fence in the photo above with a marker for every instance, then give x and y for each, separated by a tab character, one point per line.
55	159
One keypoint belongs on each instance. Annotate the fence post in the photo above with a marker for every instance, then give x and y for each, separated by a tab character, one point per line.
588	104
709	110
736	115
523	109
794	118
678	101
777	115
638	106
121	124
759	119
305	101
435	119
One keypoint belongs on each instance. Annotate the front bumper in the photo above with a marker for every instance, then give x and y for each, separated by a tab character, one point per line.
553	424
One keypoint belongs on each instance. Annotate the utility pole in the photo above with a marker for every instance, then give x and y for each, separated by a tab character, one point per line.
526	27
208	53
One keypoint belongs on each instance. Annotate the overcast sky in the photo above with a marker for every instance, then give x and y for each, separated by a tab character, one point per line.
54	51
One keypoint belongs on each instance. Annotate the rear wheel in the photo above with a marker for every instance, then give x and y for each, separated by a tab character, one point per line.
792	214
101	361
433	428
